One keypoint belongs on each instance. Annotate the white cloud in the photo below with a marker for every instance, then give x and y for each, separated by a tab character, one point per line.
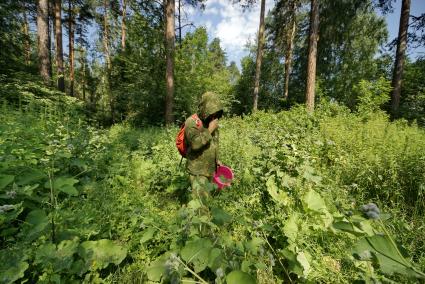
231	24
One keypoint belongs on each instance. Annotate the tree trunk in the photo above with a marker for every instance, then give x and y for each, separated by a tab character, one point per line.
289	50
123	27
51	32
71	48
399	59
180	23
58	45
27	43
108	58
43	39
170	45
259	55
312	55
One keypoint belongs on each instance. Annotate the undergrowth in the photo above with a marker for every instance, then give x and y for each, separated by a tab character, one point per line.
80	204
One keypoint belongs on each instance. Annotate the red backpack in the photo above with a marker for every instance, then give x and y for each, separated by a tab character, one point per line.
180	143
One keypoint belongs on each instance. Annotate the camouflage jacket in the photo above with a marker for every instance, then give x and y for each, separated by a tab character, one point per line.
202	146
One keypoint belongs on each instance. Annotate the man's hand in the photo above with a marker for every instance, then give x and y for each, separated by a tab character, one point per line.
213	125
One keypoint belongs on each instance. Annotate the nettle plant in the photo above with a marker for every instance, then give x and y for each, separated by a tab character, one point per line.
40	167
205	249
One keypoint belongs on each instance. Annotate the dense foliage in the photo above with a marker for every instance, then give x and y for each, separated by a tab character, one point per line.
80	204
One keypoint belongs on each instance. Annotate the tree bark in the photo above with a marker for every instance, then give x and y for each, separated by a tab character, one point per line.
289	50
27	43
43	39
180	23
123	26
71	48
399	59
259	56
312	55
58	45
51	35
170	46
108	58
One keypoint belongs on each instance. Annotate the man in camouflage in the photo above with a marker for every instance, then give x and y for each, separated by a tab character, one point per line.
202	142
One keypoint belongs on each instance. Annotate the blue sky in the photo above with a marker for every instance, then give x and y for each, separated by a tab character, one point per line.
236	27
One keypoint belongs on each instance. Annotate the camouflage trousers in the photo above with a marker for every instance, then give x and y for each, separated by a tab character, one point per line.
199	185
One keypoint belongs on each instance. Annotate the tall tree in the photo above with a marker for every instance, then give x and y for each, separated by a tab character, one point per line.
71	42
27	39
312	55
259	55
107	52
170	49
399	59
43	40
58	45
123	25
290	35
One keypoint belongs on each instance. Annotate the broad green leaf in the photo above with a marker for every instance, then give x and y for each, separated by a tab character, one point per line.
13	264
253	245
148	235
279	196
291	227
197	252
313	201
5	180
293	263
35	224
60	257
220	216
302	259
156	270
239	277
30	176
99	254
64	184
348	227
389	259
215	258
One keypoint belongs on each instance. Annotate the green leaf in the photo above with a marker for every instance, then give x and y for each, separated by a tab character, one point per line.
148	235
253	245
291	227
157	268
5	180
35	224
99	254
215	258
60	257
348	227
302	259
13	265
279	196
388	256
220	217
30	176
197	252
239	277
314	202
64	184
